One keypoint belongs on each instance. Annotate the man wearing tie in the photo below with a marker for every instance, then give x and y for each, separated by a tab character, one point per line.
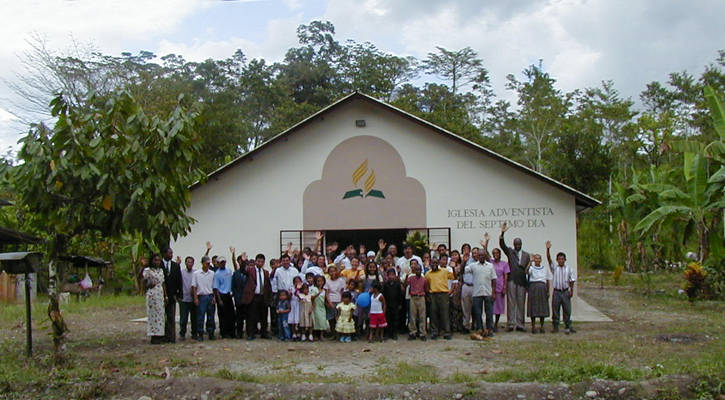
173	282
257	297
516	298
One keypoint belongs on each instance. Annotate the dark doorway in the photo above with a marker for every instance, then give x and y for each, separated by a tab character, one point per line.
367	237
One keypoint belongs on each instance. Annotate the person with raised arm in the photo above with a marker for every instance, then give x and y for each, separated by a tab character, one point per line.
518	260
564	278
239	281
502	275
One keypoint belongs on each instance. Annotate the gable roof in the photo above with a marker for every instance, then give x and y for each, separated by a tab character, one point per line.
583	201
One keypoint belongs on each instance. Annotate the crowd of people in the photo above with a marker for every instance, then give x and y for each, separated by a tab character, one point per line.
355	294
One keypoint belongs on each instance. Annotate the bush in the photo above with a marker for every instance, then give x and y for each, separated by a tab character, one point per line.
695	276
715	279
617	274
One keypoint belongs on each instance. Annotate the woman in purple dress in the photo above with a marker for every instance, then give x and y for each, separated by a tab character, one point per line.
499	296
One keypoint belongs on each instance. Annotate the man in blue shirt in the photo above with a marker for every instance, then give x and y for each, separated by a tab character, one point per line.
223	296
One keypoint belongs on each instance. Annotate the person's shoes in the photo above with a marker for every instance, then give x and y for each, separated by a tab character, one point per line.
182	338
199	338
434	337
465	331
304	338
509	329
520	330
489	333
395	336
423	338
266	336
569	330
447	337
555	330
495	329
411	337
534	331
311	338
211	336
348	339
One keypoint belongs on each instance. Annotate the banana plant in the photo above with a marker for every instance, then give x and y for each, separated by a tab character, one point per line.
696	204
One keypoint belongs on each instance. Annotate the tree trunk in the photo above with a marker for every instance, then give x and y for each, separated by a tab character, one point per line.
58	325
703	237
624	240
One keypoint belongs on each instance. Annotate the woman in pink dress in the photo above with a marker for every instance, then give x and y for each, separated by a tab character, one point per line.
499	296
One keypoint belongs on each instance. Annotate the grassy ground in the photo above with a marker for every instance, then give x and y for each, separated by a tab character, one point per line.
656	335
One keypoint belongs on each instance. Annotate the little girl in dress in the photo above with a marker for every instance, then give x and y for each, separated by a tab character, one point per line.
305	322
294	314
345	325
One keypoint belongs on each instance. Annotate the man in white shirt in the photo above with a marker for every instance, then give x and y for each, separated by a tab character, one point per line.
202	288
284	275
404	270
484	280
344	258
564	278
186	305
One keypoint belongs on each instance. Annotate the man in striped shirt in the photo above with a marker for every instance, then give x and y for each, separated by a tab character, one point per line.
564	278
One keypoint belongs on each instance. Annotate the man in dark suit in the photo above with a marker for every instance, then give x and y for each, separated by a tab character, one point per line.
239	282
516	296
257	297
172	280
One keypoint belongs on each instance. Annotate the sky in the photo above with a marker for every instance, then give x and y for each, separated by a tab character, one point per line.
581	42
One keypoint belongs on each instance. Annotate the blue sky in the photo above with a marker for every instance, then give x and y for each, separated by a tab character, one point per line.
582	42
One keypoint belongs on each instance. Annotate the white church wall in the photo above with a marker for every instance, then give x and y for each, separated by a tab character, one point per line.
247	205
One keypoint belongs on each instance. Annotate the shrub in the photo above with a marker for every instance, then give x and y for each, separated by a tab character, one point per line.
694	280
617	274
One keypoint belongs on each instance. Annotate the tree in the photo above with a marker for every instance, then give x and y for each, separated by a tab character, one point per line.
459	68
695	204
106	167
371	71
542	110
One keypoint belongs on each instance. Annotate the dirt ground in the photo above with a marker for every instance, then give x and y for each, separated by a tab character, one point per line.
127	367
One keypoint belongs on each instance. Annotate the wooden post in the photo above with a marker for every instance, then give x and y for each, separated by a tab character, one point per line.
28	317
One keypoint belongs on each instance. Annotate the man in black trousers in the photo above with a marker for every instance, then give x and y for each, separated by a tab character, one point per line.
172	280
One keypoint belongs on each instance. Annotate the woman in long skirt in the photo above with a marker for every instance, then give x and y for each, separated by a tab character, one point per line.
156	299
499	292
539	278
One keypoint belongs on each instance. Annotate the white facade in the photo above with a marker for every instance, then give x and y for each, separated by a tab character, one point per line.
465	187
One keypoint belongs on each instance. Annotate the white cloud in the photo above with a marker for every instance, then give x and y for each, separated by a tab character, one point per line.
581	42
281	34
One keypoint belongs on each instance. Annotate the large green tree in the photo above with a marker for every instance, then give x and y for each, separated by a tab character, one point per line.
106	167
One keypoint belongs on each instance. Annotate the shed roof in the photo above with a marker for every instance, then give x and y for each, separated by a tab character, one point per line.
583	201
80	261
9	236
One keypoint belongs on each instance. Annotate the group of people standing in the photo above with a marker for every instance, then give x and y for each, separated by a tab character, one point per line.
311	295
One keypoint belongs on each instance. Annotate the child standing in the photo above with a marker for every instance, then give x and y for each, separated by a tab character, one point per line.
563	281
319	309
305	323
294	314
418	287
539	278
377	313
394	295
283	311
345	324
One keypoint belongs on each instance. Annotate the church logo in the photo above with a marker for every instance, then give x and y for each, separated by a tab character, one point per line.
369	183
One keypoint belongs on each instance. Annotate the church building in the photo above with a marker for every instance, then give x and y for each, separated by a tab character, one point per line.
361	170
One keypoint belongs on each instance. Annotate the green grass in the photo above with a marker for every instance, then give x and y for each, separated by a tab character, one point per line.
12	314
404	373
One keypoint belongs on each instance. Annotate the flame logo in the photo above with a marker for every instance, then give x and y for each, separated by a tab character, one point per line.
360	172
370	181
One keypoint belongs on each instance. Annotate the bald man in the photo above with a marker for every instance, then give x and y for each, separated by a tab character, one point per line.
516	296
